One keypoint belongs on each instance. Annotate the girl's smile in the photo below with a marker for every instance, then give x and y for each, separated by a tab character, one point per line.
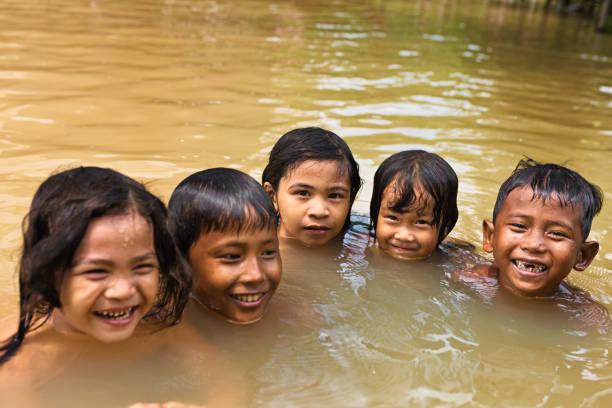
113	282
411	234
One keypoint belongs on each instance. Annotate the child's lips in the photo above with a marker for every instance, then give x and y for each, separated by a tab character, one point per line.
317	229
404	248
252	299
117	316
529	267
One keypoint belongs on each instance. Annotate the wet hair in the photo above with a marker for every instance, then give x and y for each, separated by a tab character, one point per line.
312	143
62	209
417	168
554	182
218	199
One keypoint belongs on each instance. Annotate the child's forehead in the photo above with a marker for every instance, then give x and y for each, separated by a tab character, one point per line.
526	196
420	201
315	168
395	191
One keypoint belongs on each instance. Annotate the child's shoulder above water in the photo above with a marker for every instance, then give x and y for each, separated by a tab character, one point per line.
541	222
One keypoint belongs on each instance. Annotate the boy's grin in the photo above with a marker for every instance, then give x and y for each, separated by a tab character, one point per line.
536	243
235	275
529	268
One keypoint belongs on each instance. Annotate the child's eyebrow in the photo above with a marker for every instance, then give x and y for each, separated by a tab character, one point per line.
300	185
339	187
101	261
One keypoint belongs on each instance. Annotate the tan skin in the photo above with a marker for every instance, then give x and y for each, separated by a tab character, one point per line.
112	284
409	234
535	245
236	274
313	200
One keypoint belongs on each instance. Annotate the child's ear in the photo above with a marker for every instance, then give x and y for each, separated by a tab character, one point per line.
588	250
270	190
487	235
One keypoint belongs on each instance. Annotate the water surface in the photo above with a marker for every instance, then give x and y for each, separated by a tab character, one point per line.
159	89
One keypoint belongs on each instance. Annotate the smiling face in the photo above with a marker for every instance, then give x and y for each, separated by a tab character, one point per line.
113	281
409	235
313	200
536	244
235	275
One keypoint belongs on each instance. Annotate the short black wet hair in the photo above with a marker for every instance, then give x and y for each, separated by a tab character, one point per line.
218	199
412	168
550	181
311	143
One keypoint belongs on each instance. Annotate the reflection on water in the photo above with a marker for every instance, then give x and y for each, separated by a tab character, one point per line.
161	89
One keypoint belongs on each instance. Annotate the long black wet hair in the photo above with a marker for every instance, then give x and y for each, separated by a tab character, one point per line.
550	181
218	199
312	143
411	168
62	209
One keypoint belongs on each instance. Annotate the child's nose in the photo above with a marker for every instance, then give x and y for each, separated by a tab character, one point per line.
533	242
120	288
405	234
253	271
318	208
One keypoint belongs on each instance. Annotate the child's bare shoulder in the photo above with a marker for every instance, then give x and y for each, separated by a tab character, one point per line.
586	311
484	271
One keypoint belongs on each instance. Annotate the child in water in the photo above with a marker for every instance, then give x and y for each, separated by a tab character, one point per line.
225	224
541	222
414	204
313	180
98	261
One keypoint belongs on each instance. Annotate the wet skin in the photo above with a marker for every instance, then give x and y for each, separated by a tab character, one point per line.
235	275
313	201
113	282
536	244
409	235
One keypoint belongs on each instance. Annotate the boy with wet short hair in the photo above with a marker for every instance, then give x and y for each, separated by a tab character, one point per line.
541	222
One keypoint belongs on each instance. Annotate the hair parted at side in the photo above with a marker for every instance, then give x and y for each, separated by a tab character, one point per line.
312	143
550	181
218	199
417	168
62	209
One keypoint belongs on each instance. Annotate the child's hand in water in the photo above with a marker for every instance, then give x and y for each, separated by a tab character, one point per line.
171	404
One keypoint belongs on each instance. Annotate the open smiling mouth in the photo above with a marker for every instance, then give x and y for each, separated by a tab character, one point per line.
249	298
531	267
116	314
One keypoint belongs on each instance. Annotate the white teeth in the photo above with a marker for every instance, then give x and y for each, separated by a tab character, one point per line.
121	314
531	267
248	298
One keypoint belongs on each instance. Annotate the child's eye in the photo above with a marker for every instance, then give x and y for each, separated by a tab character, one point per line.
336	196
301	193
391	217
518	225
95	274
559	234
230	257
270	253
423	222
145	268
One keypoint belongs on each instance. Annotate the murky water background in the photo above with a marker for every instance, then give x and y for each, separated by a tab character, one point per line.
159	89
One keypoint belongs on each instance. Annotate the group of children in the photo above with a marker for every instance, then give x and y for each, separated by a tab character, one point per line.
102	257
